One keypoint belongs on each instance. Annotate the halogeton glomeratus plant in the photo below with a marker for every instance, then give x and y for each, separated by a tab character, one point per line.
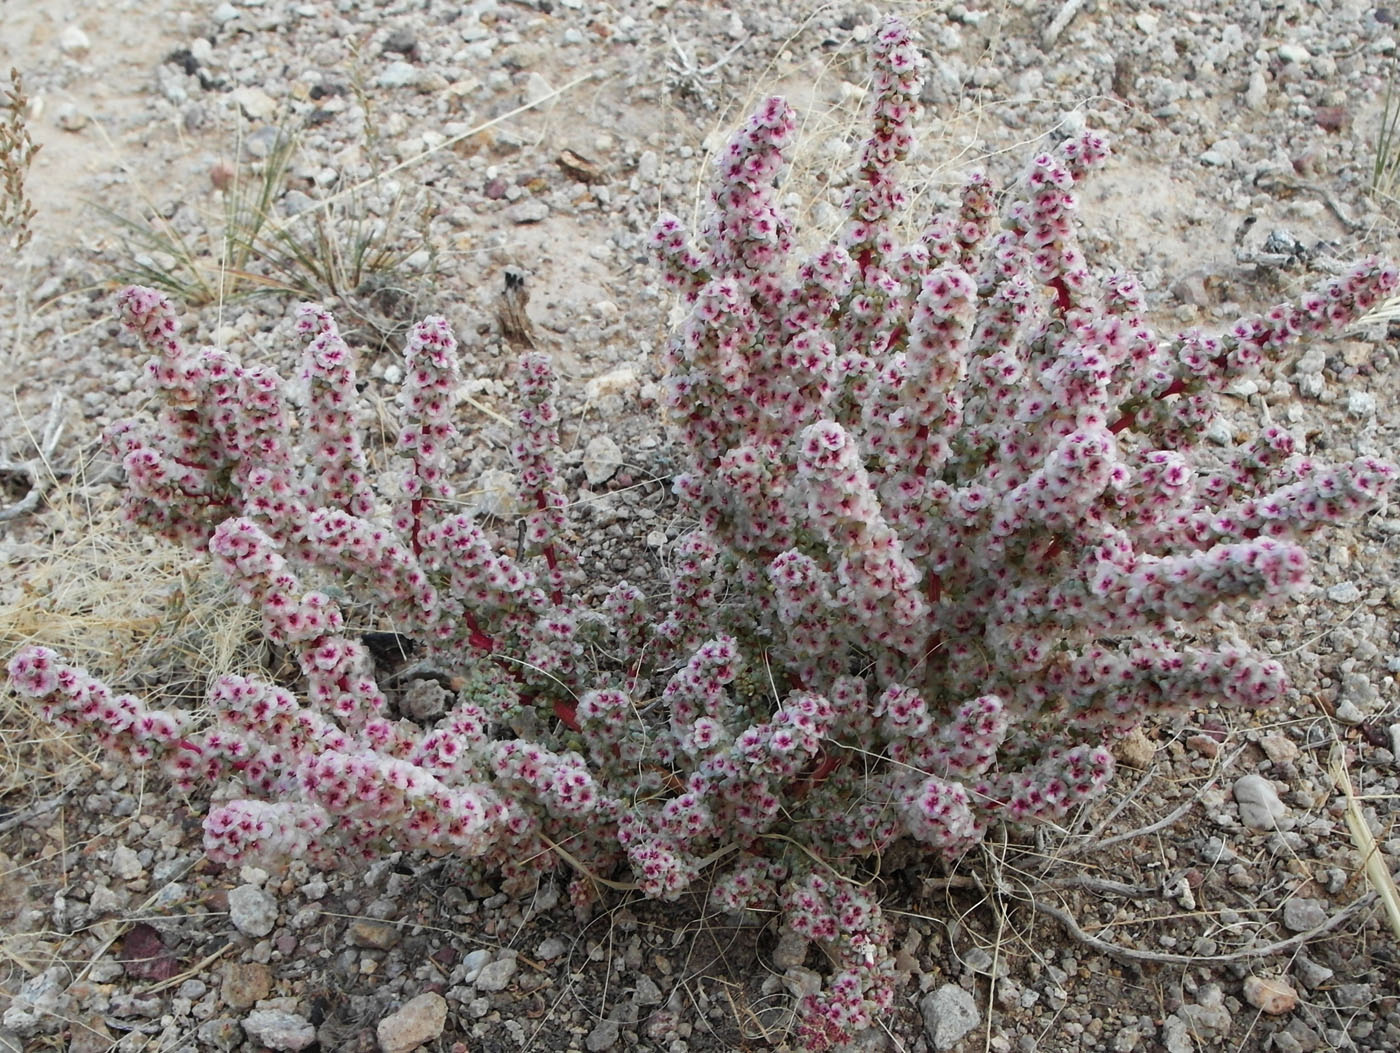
951	513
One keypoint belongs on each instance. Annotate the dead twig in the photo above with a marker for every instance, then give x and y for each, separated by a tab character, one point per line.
1133	954
1095	842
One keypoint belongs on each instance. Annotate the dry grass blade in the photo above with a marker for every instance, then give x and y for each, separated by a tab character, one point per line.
1386	314
1385	172
1377	873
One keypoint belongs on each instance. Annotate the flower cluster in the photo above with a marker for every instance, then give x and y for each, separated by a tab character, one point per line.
951	511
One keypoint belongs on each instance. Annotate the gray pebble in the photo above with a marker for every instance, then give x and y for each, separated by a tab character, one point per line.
1310	973
222	1033
1312	363
1361	404
603	1036
949	1013
602	457
1358	689
126	864
1208	1019
1259	804
397	75
252	910
73	41
496	976
279	1030
532	211
401	40
1257	93
417	1021
550	948
1344	592
1348	712
1176	1036
647	992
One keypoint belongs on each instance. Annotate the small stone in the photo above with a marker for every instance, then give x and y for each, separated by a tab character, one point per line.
1270	995
279	1030
550	947
790	951
105	900
397	75
980	960
1259	804
648	993
251	875
73	41
256	104
423	701
497	975
1344	592
1223	153
522	212
1294	53
245	984
221	1033
401	40
1208	1019
1358	689
125	864
1280	749
417	1021
1309	973
376	935
90	1035
1215	850
1361	404
70	118
495	494
225	13
1257	93
472	964
1205	745
613	382
949	1013
1304	1038
602	457
1348	712
537	89
603	1036
1176	1036
252	911
1135	749
1303	914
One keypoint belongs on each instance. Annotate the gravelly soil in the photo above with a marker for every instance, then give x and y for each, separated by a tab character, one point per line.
1243	136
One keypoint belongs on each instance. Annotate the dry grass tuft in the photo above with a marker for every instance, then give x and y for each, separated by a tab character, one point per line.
17	152
354	248
143	614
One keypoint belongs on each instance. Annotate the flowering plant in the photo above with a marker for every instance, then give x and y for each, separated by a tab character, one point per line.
954	519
